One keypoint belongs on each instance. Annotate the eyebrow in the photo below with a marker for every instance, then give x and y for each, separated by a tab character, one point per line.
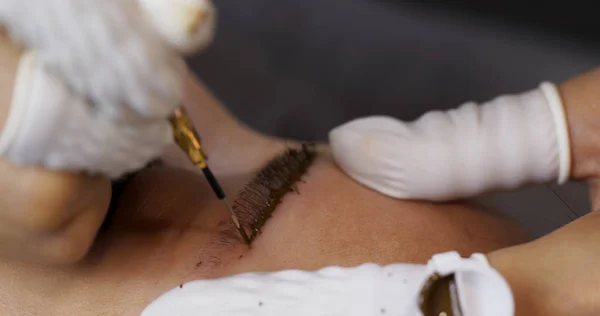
261	196
254	205
259	199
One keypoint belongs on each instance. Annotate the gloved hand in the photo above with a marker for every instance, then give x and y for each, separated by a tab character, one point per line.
115	120
109	53
499	145
368	289
52	216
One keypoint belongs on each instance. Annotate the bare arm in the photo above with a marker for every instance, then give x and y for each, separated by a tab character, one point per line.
558	273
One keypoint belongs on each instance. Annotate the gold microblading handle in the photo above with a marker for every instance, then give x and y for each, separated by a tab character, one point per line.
188	140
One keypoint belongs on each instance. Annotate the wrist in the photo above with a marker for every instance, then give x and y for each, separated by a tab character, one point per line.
535	291
581	96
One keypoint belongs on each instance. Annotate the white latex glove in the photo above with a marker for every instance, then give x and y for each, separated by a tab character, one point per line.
503	144
109	53
51	125
368	289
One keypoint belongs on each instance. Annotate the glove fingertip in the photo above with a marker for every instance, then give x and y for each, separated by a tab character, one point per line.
369	156
187	25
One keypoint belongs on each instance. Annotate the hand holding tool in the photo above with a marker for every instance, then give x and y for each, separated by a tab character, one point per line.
188	140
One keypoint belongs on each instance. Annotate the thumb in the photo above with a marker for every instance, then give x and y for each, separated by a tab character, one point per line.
454	154
188	25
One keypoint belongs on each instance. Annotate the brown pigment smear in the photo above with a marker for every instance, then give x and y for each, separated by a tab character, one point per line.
260	198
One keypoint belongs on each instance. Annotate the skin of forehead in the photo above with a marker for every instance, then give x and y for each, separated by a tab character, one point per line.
333	221
336	221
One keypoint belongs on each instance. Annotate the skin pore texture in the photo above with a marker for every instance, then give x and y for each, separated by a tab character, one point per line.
167	228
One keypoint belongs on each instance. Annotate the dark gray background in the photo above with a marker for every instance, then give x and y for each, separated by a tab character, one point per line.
298	68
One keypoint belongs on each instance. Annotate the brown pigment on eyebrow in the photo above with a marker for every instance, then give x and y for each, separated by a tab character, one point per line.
275	180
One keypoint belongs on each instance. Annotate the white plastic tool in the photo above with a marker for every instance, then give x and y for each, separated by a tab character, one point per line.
503	144
368	289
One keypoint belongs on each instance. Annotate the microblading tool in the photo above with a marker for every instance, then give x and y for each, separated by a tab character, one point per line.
188	140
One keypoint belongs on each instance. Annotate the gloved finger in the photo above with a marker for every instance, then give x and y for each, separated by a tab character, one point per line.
50	126
49	216
500	145
188	25
43	122
84	40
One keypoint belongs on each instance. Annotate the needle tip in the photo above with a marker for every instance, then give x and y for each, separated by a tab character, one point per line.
237	222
